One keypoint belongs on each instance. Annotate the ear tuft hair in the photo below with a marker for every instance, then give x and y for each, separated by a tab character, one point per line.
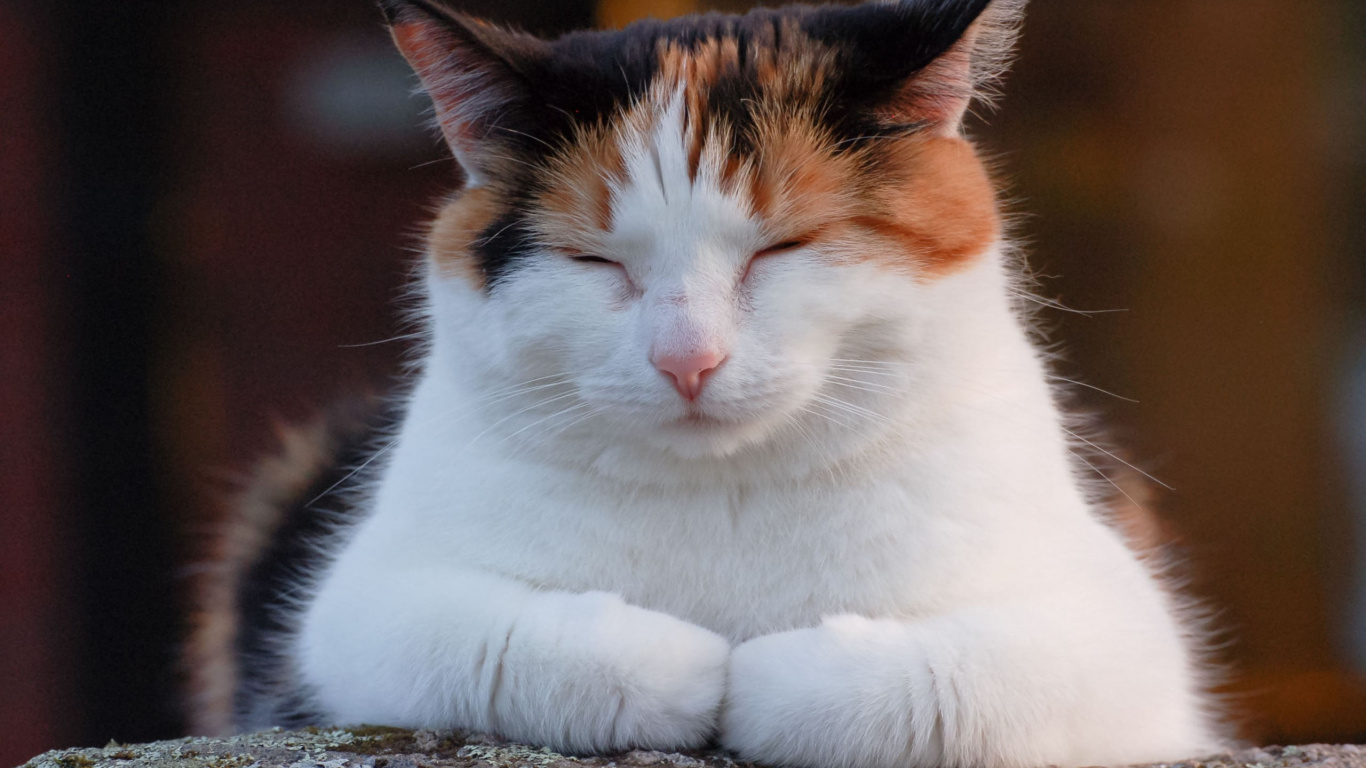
993	50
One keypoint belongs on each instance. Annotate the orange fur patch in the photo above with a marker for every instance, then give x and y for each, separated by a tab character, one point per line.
457	230
576	196
940	204
797	185
929	194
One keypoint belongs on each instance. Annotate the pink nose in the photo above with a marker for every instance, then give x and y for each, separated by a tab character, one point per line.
689	372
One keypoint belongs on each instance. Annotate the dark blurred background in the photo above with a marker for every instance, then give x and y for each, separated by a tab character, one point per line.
206	211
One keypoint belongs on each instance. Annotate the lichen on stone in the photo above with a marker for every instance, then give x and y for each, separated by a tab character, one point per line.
376	747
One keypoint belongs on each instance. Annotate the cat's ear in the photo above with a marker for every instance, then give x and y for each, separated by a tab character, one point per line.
477	77
921	61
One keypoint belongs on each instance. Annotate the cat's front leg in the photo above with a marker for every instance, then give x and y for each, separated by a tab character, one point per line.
580	672
993	687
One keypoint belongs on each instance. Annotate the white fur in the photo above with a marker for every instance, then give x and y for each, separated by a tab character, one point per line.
872	564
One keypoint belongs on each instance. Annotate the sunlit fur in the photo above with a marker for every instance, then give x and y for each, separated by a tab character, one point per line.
864	544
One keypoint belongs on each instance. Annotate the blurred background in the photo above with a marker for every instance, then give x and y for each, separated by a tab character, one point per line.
206	211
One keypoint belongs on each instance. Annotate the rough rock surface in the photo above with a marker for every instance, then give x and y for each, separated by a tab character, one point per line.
394	748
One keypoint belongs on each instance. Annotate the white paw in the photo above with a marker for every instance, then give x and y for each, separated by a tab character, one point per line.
852	693
598	675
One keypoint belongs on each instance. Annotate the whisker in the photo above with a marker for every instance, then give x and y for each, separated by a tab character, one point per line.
556	414
517	413
566	427
1091	387
430	162
870	371
869	366
506	393
383	450
500	395
825	414
403	337
564	377
876	389
867	362
1104	477
850	407
495	235
557	430
796	424
510	159
1051	304
1077	437
543	142
1115	457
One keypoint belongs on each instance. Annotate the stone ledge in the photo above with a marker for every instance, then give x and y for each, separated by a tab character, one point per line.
368	747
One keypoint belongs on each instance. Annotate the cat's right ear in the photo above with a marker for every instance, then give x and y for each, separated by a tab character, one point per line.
475	74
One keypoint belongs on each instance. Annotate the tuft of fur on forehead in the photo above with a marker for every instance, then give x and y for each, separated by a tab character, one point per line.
827	120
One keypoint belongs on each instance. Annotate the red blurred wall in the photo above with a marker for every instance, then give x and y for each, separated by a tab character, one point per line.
34	652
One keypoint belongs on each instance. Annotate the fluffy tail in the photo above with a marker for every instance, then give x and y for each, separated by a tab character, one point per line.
268	540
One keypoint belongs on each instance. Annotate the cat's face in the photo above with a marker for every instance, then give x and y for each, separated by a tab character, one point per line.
689	232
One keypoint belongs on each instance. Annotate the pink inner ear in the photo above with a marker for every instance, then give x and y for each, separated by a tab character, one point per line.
424	51
414	44
941	92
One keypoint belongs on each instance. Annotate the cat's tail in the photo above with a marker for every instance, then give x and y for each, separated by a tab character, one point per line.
267	541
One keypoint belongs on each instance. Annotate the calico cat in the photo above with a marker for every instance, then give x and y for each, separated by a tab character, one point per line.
727	427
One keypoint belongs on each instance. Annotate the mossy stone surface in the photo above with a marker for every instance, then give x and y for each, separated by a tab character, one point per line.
373	747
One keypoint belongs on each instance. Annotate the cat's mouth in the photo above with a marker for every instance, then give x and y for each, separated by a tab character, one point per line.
697	418
716	418
697	434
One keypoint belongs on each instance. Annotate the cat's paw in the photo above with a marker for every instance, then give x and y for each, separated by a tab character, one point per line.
851	693
596	674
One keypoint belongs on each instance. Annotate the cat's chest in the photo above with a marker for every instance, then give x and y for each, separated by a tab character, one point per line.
741	561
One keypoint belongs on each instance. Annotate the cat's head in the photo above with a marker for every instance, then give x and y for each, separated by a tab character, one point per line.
711	233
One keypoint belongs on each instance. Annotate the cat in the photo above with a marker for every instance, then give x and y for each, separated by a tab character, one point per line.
728	428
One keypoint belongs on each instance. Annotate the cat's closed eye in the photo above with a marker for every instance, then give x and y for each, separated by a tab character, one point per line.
776	248
588	258
773	250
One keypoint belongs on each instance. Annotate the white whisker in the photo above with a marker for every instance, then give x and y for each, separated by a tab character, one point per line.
1091	387
556	414
1076	437
403	337
850	408
870	387
517	413
1051	304
824	412
871	371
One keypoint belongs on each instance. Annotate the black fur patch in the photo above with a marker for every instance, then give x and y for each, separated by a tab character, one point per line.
879	48
506	240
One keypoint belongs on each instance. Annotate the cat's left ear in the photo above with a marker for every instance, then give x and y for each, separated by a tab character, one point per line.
921	61
477	77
